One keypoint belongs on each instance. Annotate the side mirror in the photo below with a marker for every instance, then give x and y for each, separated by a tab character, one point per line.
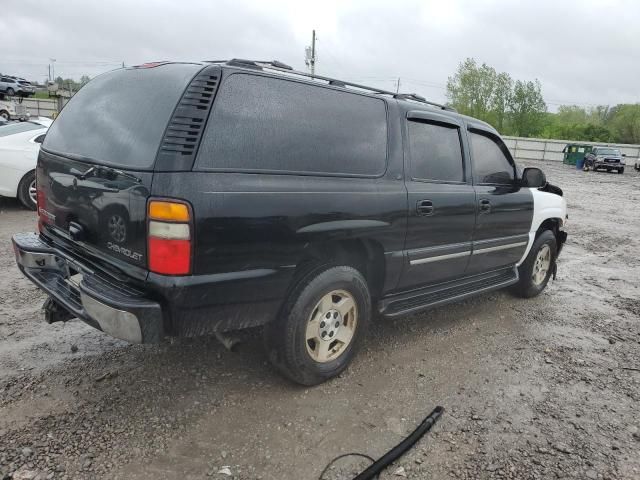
533	178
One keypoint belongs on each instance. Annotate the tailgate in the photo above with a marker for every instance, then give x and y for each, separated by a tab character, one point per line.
100	212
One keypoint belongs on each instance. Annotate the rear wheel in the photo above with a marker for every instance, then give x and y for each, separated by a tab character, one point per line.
27	191
4	114
538	267
11	92
321	325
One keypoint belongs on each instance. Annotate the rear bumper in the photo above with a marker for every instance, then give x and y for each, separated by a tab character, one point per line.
116	309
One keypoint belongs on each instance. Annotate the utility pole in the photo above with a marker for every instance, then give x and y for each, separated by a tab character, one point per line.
398	86
53	69
310	54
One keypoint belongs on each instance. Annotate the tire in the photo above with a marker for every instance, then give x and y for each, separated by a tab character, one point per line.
621	170
527	286
4	114
288	338
10	92
25	187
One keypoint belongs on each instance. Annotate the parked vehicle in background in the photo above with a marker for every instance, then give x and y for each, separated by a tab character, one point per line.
605	158
16	86
246	194
19	147
11	110
575	153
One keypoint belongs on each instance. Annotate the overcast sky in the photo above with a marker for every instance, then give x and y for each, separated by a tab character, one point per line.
583	52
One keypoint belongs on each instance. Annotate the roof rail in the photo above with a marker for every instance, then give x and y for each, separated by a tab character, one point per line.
284	68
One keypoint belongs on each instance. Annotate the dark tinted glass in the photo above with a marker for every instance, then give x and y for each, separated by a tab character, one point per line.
11	128
490	164
119	118
269	124
436	153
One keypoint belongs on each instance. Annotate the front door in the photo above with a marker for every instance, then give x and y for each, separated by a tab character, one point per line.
504	210
441	198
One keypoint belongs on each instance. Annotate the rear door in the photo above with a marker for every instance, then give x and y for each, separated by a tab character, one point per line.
504	210
96	164
441	213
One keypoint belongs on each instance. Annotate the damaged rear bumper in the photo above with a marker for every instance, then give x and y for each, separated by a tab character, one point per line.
115	308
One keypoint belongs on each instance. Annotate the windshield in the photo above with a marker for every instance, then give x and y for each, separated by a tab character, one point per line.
608	151
13	128
119	118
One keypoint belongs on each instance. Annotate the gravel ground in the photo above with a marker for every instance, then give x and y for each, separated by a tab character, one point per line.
533	389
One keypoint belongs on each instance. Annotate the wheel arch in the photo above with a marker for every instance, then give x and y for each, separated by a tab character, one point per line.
365	255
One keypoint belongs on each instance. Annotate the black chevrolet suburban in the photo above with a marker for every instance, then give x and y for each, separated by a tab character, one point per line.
183	199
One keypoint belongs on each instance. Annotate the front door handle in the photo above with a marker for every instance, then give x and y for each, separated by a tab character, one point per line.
485	206
424	207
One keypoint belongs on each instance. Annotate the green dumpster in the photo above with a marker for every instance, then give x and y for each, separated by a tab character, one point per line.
573	152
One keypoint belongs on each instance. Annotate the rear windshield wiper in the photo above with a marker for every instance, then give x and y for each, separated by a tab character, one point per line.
92	170
96	170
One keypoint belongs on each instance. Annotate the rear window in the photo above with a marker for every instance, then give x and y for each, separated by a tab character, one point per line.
277	125
119	118
13	128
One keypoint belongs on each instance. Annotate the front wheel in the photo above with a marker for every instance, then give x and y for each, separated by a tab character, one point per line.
10	92
4	114
537	268
621	170
320	326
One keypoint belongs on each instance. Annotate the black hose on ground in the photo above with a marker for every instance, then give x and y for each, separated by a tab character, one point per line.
396	452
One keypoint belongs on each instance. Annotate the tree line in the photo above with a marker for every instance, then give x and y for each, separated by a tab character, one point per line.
516	107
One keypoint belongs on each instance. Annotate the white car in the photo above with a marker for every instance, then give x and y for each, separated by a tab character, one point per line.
19	147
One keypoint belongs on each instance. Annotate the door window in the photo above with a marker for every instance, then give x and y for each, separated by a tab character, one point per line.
436	152
490	162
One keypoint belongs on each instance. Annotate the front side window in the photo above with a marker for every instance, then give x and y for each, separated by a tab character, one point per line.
490	163
436	152
265	124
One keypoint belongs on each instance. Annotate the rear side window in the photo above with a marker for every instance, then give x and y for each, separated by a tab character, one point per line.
436	152
275	125
119	118
490	163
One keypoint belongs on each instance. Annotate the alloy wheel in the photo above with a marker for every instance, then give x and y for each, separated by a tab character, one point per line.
541	265
331	326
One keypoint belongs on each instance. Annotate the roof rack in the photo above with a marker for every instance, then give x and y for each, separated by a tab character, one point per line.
282	67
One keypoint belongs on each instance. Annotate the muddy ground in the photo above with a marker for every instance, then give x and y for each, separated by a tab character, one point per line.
533	389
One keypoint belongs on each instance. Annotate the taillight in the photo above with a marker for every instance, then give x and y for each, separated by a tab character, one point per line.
41	208
169	237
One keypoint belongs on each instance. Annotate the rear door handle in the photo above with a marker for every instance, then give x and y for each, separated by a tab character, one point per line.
424	207
485	206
